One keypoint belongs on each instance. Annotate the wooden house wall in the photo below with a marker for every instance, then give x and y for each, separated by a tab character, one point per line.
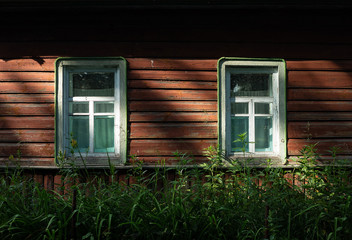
172	75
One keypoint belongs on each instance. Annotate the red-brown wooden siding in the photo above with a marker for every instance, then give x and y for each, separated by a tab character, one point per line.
166	116
172	76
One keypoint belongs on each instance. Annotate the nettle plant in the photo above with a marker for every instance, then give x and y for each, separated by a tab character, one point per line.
220	199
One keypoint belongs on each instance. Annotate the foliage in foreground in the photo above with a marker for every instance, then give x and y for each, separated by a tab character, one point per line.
199	203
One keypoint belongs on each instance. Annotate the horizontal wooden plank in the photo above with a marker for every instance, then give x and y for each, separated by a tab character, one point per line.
173	117
319	79
323	147
177	49
26	109
173	130
318	116
25	64
27	149
169	95
27	98
28	161
337	65
26	87
319	94
173	75
319	106
26	76
170	160
47	64
169	147
172	64
333	129
27	122
341	160
175	106
172	84
8	136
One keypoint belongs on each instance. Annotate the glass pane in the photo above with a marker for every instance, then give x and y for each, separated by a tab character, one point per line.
104	134
263	134
239	108
79	128
78	107
92	84
103	107
252	84
263	108
239	125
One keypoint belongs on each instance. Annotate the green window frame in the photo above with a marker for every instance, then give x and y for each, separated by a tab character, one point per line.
91	110
252	100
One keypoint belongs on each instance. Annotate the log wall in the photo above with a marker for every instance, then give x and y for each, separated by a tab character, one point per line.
172	75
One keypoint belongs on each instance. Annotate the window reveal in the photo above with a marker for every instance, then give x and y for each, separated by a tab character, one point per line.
91	108
252	101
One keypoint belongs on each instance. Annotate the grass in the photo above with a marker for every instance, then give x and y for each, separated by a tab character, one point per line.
209	202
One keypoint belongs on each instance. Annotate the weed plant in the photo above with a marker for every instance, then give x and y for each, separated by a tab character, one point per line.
221	199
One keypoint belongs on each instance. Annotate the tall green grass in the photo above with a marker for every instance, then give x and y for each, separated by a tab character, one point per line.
221	199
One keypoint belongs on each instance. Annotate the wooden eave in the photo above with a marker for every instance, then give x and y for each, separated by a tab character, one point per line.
17	5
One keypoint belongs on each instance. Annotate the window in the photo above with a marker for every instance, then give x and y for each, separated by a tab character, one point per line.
91	108
252	99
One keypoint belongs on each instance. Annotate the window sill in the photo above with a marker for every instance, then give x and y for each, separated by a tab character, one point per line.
93	162
258	161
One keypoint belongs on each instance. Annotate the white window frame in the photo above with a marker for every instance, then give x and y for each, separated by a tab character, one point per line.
65	66
277	68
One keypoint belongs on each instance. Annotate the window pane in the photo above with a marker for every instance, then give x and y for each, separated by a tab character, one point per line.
79	107
251	84
90	84
263	108
239	108
104	134
103	107
79	128
263	134
239	125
